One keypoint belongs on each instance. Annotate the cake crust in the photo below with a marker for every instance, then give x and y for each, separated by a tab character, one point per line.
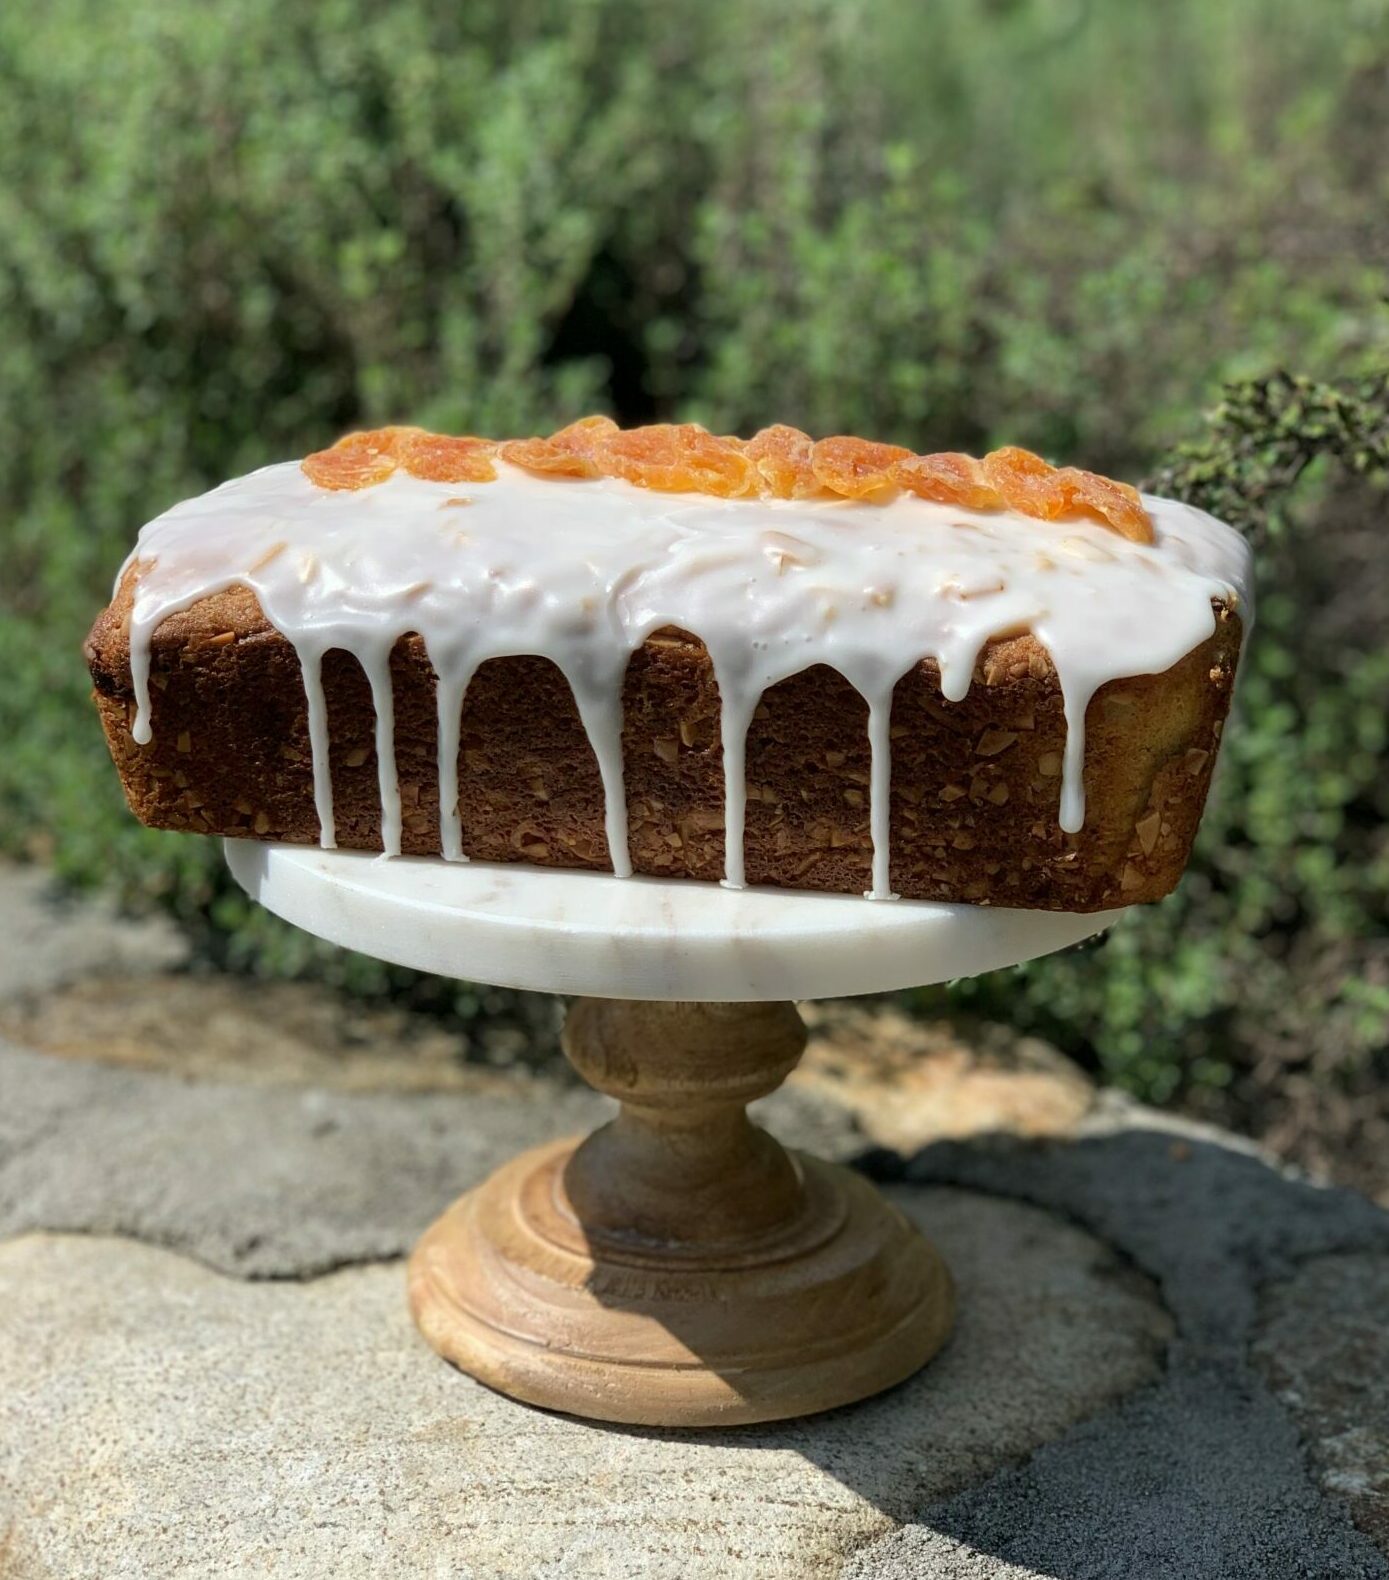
975	784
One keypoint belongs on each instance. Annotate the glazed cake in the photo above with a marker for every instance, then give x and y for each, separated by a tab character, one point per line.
831	665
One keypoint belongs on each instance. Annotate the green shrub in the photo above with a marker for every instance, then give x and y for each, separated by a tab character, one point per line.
225	235
228	232
1275	950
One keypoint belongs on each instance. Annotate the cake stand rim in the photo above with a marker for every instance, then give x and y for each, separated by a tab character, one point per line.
595	935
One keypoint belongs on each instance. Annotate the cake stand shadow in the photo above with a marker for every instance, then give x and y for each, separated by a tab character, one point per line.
678	1267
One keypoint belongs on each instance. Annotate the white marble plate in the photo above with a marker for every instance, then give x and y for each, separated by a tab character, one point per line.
641	938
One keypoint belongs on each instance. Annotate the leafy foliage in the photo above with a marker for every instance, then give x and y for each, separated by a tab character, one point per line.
229	232
1274	954
1265	435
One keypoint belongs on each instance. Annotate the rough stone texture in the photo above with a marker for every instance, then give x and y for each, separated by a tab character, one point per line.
1324	1348
1209	1222
909	1082
268	1034
264	1182
157	1419
1204	1476
1196	1481
210	1169
47	939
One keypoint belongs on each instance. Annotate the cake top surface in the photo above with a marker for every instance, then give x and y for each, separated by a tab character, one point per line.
524	564
581	571
778	462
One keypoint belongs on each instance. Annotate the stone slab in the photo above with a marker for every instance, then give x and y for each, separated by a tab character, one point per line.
48	938
281	1181
159	1420
1323	1346
1202	1479
1202	1213
1206	1476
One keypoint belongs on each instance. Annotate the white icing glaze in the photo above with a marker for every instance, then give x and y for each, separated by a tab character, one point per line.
310	658
583	572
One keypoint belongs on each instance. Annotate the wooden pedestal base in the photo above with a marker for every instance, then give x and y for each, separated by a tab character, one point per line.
678	1267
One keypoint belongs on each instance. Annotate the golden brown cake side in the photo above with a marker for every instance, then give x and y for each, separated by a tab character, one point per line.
975	784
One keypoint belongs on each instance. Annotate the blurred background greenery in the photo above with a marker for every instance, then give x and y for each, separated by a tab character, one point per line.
229	232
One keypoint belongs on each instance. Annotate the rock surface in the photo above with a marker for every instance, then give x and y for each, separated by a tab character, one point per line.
218	1423
48	939
910	1082
282	1034
261	1182
1170	1359
276	1182
1324	1348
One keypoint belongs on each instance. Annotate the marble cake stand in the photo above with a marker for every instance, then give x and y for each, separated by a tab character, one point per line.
677	1267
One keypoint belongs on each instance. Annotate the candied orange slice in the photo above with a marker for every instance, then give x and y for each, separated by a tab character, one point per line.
347	469
569	453
357	460
437	458
548	458
950	478
585	434
782	458
856	468
1118	505
779	462
1026	482
677	458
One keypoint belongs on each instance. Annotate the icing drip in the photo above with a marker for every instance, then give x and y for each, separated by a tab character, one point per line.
736	708
311	666
581	573
880	792
145	619
378	672
453	687
1075	699
599	701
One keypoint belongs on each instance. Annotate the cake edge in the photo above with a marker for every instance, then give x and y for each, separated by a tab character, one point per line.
192	642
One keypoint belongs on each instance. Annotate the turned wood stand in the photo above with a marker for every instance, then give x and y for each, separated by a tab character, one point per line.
678	1267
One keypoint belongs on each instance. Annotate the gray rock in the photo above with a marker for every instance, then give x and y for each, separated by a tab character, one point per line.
1201	1479
1204	1476
1324	1348
266	1182
276	1182
1210	1222
1200	1473
48	938
157	1419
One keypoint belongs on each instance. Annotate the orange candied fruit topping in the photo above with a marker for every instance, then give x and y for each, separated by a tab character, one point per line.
1025	481
783	458
856	468
572	452
950	478
360	460
436	458
1118	505
357	460
678	458
778	462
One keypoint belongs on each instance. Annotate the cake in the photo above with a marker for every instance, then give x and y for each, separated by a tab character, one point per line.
828	665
